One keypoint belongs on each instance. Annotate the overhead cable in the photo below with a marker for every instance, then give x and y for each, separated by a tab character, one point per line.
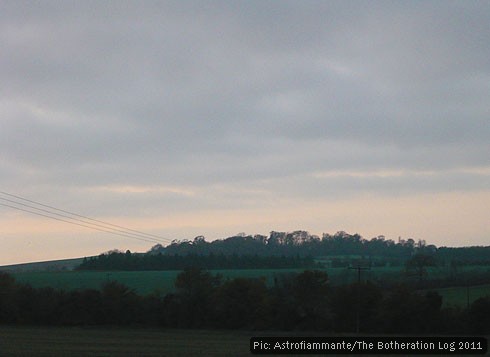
87	222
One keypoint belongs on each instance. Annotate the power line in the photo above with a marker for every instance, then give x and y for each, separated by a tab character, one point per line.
78	224
359	268
86	222
85	217
77	220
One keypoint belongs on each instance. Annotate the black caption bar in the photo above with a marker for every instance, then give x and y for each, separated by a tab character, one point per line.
369	345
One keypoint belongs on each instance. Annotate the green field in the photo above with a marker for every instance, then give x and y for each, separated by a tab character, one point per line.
460	296
146	282
143	282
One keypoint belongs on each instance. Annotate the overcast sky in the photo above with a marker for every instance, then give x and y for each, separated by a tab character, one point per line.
182	118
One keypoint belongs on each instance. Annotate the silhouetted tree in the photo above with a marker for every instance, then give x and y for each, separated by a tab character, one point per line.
193	299
242	303
350	300
418	265
301	301
311	298
119	303
8	294
479	316
407	311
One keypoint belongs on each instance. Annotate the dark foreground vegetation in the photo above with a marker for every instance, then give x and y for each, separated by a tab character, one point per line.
120	341
303	301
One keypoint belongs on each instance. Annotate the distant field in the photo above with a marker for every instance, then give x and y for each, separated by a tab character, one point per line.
53	265
145	282
47	341
459	296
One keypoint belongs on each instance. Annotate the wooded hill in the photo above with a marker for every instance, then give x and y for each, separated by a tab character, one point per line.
297	249
295	243
129	261
377	250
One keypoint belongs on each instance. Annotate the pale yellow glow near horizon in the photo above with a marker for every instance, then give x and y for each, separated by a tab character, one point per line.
484	171
185	191
452	219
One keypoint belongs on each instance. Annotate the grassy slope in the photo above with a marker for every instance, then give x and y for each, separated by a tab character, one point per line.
143	282
52	265
58	274
458	296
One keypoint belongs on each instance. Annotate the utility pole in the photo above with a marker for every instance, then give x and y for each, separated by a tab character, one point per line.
359	268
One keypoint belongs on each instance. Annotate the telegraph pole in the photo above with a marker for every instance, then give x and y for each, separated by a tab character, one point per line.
359	268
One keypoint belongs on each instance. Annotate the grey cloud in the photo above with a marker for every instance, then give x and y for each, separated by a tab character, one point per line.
203	93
